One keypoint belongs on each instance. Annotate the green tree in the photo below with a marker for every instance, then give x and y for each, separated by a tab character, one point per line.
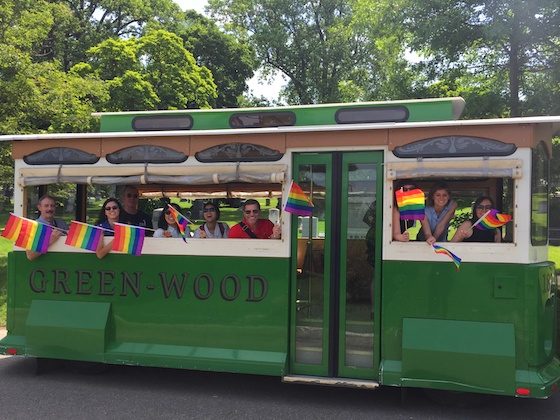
149	72
513	42
230	59
81	24
311	42
39	96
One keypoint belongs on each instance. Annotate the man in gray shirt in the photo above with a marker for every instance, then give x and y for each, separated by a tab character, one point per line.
46	207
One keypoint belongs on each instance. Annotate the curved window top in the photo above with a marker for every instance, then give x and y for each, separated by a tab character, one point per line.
60	155
162	122
371	115
146	154
238	152
262	119
454	146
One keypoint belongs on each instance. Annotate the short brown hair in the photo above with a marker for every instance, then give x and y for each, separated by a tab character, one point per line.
249	202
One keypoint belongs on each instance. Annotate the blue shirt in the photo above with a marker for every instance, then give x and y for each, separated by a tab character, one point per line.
106	225
434	218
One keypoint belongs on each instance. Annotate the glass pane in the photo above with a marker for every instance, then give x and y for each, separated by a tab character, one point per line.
311	268
360	258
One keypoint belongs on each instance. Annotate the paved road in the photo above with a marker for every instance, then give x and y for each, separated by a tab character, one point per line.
146	393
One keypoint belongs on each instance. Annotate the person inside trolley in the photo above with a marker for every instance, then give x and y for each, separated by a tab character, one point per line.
131	214
167	225
110	213
439	211
212	228
252	227
47	206
466	233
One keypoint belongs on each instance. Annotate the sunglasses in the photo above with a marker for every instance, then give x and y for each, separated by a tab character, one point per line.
252	211
132	195
481	207
209	210
408	187
109	208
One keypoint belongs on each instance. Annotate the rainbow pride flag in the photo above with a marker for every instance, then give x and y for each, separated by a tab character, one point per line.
493	220
298	202
34	236
411	204
82	235
438	249
182	222
129	239
13	227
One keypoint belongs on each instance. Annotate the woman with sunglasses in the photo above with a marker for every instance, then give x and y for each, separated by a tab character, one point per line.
466	233
167	225
211	228
110	213
252	226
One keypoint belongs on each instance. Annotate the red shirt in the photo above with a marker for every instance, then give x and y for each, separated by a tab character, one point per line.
263	230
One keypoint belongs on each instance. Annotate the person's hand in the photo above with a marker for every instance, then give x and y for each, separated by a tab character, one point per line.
431	240
202	234
167	234
465	233
55	235
276	232
403	237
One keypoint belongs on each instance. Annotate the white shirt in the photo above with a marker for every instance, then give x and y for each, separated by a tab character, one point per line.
217	232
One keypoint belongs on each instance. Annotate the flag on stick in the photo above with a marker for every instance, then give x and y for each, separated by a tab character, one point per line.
298	202
411	204
34	236
13	227
182	222
82	235
129	239
492	220
441	250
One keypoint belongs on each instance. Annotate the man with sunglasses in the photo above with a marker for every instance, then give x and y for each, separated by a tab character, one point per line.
131	215
251	227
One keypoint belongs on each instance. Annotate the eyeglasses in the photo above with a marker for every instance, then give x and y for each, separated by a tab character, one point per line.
252	211
132	195
486	207
109	208
209	210
167	212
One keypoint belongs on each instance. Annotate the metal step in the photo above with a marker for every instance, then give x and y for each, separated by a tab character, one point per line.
320	380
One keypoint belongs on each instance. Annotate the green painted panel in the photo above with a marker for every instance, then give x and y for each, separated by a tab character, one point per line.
233	303
423	110
520	295
459	352
67	330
